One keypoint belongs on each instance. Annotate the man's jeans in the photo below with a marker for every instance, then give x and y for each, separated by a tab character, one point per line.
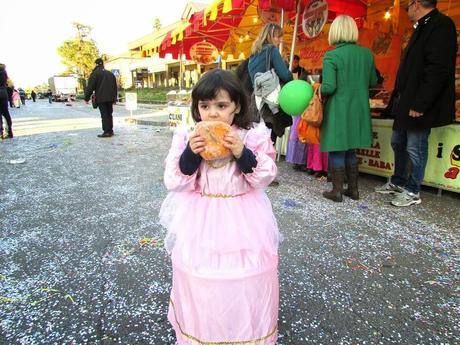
410	146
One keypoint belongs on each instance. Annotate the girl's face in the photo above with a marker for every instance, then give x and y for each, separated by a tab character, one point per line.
220	108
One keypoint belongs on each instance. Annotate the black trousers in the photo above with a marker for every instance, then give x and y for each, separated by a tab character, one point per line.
106	110
10	96
5	113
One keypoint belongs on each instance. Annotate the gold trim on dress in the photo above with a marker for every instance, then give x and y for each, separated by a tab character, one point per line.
200	342
221	196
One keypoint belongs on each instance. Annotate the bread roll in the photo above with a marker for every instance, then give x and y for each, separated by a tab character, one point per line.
214	132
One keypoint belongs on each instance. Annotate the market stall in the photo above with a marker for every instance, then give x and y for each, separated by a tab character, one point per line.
386	31
384	28
443	167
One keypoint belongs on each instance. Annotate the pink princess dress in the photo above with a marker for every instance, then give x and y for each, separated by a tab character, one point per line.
223	239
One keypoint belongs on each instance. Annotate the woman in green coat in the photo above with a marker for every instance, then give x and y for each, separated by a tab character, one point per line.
348	72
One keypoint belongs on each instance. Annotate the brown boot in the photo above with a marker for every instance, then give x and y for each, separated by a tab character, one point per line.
337	176
352	177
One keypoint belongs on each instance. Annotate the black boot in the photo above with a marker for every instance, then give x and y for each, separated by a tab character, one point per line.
337	176
10	133
352	177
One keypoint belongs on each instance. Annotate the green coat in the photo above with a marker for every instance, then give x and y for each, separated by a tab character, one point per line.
348	72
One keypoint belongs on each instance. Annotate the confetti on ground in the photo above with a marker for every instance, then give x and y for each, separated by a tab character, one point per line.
82	258
17	161
291	203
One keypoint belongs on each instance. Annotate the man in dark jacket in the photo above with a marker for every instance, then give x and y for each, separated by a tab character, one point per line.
104	84
423	97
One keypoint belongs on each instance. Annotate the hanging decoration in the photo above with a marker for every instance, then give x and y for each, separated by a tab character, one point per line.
314	17
204	53
395	17
270	15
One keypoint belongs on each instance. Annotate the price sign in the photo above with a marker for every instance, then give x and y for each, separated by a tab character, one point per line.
131	101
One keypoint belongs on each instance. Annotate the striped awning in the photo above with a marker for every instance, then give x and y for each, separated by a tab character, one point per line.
213	25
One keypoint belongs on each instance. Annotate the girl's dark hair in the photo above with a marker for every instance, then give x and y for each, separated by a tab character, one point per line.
209	86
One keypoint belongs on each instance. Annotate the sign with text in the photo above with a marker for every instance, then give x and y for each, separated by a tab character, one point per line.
204	53
443	166
378	159
131	101
180	115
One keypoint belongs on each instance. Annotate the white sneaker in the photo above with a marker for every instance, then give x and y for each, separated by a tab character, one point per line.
406	198
389	188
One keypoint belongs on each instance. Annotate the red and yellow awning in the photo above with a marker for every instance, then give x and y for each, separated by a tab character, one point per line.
213	25
232	25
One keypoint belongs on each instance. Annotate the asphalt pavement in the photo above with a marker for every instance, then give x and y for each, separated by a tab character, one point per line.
82	261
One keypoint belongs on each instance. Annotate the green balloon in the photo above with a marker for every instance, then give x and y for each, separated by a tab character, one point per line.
295	97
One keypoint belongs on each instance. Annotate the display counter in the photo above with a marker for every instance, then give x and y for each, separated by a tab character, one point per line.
443	166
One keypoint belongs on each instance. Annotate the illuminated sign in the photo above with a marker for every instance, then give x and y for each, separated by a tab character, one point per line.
314	17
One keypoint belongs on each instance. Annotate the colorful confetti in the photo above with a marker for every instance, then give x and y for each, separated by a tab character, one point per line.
82	258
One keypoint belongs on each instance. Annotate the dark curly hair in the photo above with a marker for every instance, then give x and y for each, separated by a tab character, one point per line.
209	86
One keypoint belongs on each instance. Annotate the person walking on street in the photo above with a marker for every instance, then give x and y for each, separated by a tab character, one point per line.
50	96
9	89
104	84
423	98
348	72
33	95
22	96
4	99
16	99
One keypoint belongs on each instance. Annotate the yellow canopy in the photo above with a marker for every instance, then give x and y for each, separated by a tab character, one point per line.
178	33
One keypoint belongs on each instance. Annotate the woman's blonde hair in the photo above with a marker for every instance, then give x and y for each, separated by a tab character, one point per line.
265	36
343	29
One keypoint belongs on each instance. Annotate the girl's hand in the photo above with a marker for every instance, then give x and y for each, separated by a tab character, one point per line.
197	143
233	142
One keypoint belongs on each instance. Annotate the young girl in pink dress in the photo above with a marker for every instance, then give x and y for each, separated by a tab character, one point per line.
222	234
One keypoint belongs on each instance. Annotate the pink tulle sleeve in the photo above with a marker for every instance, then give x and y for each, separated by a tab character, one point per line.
259	142
174	179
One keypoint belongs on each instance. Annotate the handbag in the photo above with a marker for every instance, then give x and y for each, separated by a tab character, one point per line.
307	133
313	115
267	86
93	101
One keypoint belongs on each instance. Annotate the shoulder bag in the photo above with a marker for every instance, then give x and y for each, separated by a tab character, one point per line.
313	115
267	86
